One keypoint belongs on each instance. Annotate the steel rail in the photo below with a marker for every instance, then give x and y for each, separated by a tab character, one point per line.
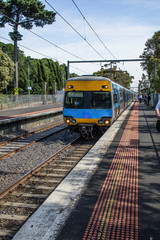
33	142
34	170
30	133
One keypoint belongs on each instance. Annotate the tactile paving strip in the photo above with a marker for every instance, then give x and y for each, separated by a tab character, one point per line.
115	215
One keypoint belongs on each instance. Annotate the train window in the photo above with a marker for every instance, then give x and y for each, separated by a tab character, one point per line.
87	100
73	100
115	97
101	100
121	95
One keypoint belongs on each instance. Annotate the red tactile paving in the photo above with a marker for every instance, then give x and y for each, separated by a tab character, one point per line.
115	215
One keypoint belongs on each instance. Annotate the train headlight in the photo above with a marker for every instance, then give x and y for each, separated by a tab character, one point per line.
70	120
104	86
103	121
67	120
73	121
100	121
106	122
70	86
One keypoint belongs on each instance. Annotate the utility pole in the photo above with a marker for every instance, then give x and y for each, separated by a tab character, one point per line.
45	93
16	90
68	62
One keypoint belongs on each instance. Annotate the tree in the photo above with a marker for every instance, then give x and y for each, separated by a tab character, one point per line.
34	72
22	72
6	70
24	13
72	75
152	64
121	77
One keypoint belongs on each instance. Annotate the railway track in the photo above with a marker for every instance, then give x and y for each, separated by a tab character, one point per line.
12	146
21	199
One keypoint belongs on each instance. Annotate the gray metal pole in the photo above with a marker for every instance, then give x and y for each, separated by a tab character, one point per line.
111	69
68	69
113	61
28	77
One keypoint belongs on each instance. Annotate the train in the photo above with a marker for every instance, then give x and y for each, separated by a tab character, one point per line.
93	103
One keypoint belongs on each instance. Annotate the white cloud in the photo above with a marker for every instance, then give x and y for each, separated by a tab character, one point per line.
124	37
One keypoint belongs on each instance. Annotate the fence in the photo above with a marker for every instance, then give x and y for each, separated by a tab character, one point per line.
23	101
8	102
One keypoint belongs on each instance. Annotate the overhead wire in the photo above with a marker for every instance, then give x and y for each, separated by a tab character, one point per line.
84	18
74	29
55	45
93	29
46	40
42	54
49	42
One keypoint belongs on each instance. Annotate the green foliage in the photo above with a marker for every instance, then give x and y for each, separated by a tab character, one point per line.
34	72
45	70
8	49
121	77
152	64
24	13
71	75
6	70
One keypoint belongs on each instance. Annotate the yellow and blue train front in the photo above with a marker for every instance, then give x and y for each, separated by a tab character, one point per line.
88	102
88	116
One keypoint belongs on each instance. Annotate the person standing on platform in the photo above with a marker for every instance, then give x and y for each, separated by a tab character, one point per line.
157	109
148	99
140	98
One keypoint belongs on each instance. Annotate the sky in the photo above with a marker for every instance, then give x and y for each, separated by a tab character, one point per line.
122	25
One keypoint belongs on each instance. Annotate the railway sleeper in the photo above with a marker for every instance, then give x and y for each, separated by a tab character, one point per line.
39	187
57	169
6	232
34	179
72	164
50	174
71	157
19	205
13	217
64	160
29	195
62	164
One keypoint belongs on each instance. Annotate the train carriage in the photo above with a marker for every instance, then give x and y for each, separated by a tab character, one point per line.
92	103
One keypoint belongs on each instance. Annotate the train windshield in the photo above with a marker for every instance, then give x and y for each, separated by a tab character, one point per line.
74	100
101	100
88	100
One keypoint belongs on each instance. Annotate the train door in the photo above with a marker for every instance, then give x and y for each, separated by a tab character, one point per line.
121	100
116	100
124	99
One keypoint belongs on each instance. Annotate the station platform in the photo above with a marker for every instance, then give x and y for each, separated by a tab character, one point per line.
24	112
112	193
20	121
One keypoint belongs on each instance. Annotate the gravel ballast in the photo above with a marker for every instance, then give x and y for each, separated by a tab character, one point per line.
15	166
